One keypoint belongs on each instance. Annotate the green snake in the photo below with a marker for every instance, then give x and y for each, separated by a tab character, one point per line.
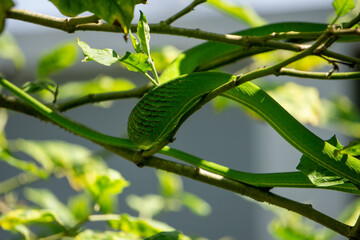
157	125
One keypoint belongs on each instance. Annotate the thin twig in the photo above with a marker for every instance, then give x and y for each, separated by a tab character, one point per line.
66	24
186	10
100	97
318	75
353	22
62	24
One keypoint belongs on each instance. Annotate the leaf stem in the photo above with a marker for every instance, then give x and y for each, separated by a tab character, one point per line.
154	81
183	12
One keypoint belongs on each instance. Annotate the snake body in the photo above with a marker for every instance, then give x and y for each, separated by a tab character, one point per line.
149	127
157	116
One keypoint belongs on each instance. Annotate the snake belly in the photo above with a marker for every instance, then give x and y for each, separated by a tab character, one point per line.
157	115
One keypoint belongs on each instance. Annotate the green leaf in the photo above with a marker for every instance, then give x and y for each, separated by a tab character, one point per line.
106	235
9	49
104	186
105	56
100	84
352	149
14	218
135	43
163	56
47	200
170	184
139	226
143	32
343	7
80	206
317	174
57	154
137	62
5	5
173	235
25	166
3	121
197	205
116	12
57	59
288	225
243	13
147	206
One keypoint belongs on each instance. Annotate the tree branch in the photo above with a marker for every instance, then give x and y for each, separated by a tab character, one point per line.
186	10
66	24
255	193
318	75
63	24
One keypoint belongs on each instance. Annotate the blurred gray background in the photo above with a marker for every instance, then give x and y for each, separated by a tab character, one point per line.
229	138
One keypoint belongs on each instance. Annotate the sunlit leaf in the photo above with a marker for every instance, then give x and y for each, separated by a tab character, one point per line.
25	166
341	114
163	56
197	205
11	219
100	84
143	32
106	235
138	226
3	121
243	13
9	49
170	184
47	200
51	154
137	62
353	148
105	56
147	206
5	5
302	102
57	59
173	235
343	7
115	12
104	186
309	63
80	206
288	225
135	43
317	174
